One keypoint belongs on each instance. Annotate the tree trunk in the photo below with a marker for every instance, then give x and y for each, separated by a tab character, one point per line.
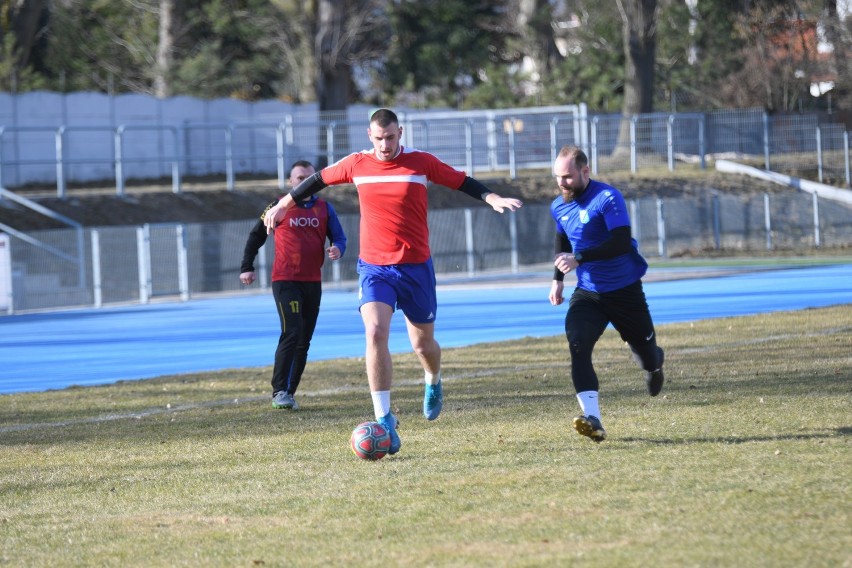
534	21
165	50
334	76
639	27
26	18
334	73
839	35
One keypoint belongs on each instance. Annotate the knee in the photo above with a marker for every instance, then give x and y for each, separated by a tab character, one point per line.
426	348
376	334
580	345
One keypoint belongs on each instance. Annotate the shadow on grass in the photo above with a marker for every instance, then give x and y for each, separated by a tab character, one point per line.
842	431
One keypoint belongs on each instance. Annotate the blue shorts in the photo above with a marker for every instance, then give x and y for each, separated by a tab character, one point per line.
411	287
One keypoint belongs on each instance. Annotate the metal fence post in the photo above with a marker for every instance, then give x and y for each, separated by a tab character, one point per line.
513	172
229	157
633	159
701	142
513	241
491	140
846	157
819	153
2	133
717	223
468	241
554	123
670	141
262	273
143	260
279	156
633	205
766	141
329	142
97	284
594	142
8	283
119	162
468	145
661	229
182	262
816	220
767	221
60	163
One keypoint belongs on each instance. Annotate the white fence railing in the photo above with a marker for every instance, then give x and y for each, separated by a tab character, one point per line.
137	264
74	139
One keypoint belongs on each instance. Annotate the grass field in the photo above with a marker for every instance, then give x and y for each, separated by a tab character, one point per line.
743	460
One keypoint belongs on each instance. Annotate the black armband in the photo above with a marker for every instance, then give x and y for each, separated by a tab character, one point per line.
308	187
474	189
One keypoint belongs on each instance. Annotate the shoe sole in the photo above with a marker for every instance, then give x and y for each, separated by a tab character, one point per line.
585	428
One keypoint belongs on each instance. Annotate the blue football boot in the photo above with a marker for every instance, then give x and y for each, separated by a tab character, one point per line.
389	421
433	401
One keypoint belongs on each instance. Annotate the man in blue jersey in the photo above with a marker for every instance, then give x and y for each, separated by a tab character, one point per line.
593	238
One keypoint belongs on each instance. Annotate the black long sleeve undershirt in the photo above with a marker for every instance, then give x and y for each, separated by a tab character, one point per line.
308	187
618	243
474	188
315	183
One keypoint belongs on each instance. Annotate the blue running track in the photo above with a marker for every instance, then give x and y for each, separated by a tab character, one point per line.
44	351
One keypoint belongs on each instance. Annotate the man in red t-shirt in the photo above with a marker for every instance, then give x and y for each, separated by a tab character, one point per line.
296	279
395	263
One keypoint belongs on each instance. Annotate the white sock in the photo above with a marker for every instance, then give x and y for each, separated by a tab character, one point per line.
432	379
589	403
381	403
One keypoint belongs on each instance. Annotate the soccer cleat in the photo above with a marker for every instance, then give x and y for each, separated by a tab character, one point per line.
433	401
390	422
293	404
282	399
654	379
591	427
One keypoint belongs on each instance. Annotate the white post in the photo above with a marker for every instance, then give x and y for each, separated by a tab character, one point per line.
143	258
670	141
633	158
468	145
634	221
816	221
97	284
661	229
767	221
468	238
717	223
513	172
335	272
7	297
183	263
513	240
263	280
819	153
